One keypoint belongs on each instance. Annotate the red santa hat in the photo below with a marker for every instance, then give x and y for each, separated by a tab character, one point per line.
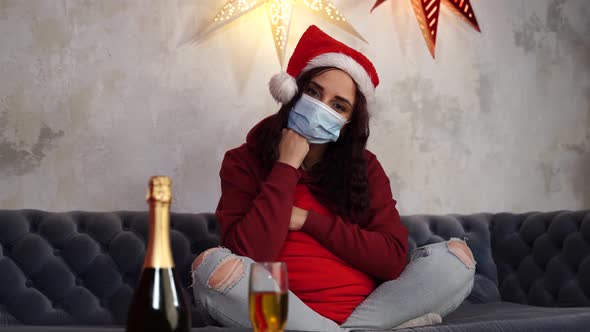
317	49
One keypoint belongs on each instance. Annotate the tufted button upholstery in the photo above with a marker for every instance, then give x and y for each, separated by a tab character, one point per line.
543	259
81	267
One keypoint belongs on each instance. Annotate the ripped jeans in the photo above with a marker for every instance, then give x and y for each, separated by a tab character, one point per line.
437	278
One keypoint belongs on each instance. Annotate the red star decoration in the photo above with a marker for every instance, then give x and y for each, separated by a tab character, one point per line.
427	15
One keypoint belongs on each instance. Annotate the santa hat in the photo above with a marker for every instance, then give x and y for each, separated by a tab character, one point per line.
317	49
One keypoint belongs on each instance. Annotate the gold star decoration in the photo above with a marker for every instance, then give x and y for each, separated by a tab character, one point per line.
279	16
427	11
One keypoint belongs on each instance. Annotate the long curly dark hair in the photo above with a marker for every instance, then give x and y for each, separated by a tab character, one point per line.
340	178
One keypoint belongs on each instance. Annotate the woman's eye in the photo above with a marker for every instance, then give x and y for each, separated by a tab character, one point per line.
312	92
339	107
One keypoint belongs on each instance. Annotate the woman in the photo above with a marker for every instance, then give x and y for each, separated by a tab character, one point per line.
304	190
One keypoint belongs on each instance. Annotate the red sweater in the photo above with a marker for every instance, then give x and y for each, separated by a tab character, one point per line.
322	280
254	213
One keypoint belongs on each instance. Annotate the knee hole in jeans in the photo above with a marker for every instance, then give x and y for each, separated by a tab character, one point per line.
462	251
226	274
201	257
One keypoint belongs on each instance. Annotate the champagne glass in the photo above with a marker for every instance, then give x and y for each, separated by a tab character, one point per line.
268	296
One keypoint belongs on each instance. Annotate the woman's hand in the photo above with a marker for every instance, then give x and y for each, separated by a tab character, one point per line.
293	148
298	218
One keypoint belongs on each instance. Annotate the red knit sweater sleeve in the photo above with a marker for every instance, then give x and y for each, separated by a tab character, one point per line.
254	219
378	248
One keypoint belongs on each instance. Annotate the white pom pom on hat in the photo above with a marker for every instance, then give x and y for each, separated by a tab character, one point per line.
283	87
317	49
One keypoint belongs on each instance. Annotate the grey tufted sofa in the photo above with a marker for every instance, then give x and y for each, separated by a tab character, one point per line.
76	271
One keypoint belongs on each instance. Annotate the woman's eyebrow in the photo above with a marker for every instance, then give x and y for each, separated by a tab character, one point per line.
342	99
320	87
317	85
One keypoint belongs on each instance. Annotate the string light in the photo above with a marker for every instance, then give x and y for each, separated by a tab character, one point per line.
234	8
280	13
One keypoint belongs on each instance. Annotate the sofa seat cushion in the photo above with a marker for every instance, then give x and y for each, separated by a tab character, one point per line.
508	316
485	317
40	328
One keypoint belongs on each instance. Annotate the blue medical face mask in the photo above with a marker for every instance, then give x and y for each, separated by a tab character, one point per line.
315	121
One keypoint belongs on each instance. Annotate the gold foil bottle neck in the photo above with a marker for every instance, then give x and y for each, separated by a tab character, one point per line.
159	189
159	196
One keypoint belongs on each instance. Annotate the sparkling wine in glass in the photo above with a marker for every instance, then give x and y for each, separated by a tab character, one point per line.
268	296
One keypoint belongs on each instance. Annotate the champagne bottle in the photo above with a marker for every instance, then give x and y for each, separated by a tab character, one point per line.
158	303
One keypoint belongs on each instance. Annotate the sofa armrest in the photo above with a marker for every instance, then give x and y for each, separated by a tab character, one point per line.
543	259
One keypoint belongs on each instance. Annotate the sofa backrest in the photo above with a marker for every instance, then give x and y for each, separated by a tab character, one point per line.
543	259
82	267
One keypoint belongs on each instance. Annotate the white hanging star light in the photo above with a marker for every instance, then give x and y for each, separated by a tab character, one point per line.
279	16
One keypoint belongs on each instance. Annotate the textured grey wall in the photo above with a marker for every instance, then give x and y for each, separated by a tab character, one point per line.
95	96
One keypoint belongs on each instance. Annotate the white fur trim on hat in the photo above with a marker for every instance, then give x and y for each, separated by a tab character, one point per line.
283	87
348	65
